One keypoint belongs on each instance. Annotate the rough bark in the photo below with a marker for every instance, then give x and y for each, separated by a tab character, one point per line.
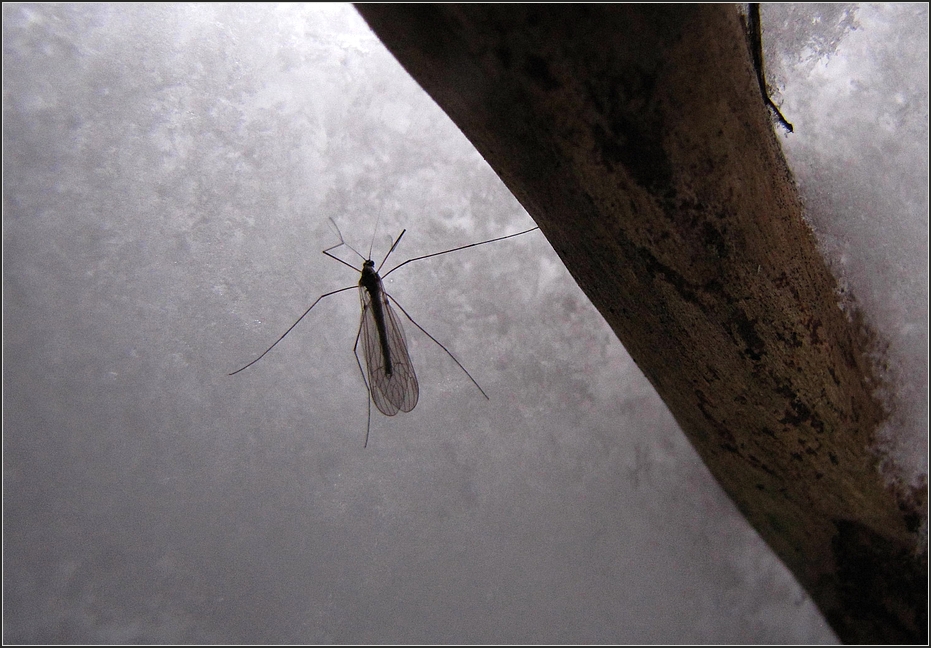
636	137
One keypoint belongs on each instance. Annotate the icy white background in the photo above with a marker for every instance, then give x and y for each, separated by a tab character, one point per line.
168	173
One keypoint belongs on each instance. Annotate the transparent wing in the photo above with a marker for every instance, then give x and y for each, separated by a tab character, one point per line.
398	390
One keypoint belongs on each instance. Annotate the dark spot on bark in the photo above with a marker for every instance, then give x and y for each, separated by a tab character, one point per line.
504	55
714	286
791	418
849	356
797	456
609	148
728	442
817	424
883	586
791	340
631	136
814	325
714	241
538	70
658	269
756	463
833	458
912	503
912	522
745	328
800	412
760	487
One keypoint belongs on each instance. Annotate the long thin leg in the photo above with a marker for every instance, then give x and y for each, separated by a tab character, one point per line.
341	243
368	390
393	246
336	258
463	247
440	343
291	327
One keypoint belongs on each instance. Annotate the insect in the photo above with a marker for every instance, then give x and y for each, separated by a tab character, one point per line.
391	382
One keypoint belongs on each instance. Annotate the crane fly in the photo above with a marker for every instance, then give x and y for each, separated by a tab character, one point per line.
391	383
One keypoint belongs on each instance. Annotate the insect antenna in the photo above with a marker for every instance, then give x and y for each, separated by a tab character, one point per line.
375	231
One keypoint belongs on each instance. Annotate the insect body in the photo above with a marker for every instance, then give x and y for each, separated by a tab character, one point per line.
391	380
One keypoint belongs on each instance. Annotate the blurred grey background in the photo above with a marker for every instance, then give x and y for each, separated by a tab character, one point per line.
168	175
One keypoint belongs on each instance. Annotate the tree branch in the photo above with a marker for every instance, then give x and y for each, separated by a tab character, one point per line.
635	136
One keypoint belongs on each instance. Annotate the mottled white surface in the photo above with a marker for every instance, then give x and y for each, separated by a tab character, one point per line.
168	176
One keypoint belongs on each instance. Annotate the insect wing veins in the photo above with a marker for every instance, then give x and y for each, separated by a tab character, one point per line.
398	390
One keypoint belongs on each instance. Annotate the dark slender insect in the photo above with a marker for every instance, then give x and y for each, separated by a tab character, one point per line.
392	382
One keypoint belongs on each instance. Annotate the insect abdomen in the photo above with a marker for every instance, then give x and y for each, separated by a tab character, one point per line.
372	283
